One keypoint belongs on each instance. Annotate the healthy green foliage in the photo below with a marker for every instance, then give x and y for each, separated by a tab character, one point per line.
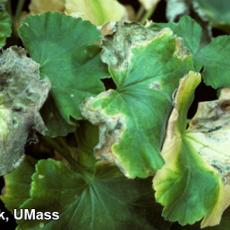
100	201
215	59
85	201
66	50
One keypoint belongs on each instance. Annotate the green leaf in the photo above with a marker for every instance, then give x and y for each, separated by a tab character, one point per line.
215	59
98	12
65	48
101	201
146	67
22	94
55	123
17	184
5	25
194	184
214	11
87	137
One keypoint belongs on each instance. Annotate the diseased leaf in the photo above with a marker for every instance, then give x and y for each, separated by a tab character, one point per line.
215	59
41	6
101	201
146	67
194	183
98	12
65	48
5	25
217	12
22	94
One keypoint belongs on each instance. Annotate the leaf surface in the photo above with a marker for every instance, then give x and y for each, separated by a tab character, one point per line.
215	59
55	123
193	184
146	67
22	94
85	201
65	48
19	180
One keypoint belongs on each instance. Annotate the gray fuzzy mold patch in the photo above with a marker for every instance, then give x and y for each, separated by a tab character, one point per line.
22	94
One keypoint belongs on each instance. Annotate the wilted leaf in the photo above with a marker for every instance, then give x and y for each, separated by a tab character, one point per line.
41	6
146	67
65	48
98	12
194	183
22	94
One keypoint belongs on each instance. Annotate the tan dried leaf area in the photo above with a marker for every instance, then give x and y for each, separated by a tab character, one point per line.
209	133
206	137
41	6
211	128
97	12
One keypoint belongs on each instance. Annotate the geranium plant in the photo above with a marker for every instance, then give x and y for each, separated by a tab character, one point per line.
99	127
